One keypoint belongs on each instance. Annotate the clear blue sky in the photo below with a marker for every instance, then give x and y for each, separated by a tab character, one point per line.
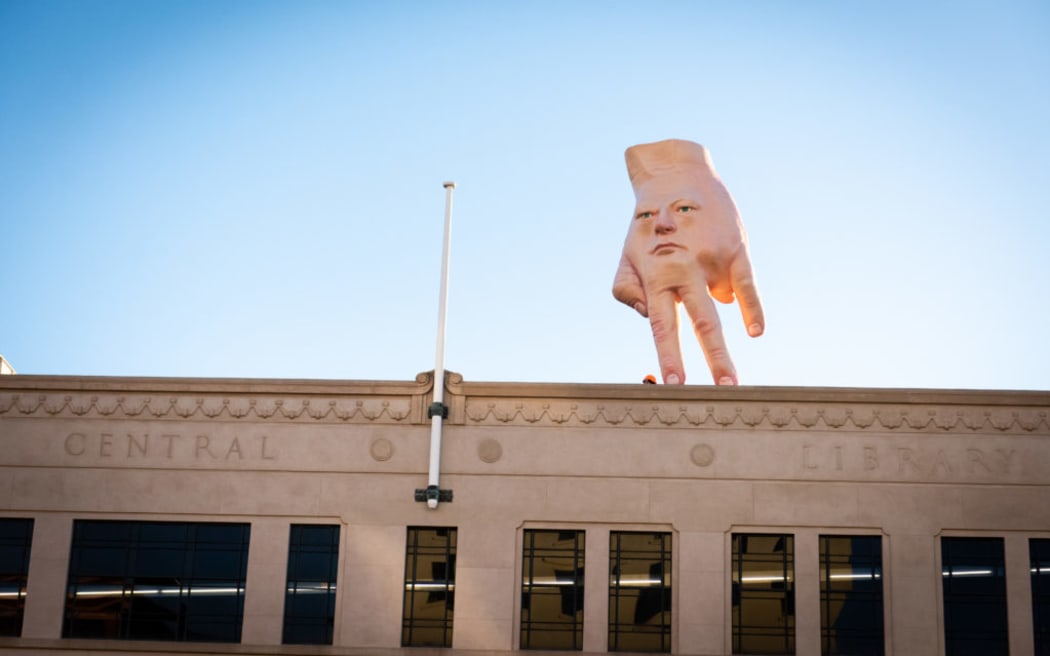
253	189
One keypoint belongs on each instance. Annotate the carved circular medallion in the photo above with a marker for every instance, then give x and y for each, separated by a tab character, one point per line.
382	449
489	450
702	455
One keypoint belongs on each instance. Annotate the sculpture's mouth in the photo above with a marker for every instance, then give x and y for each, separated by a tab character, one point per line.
665	246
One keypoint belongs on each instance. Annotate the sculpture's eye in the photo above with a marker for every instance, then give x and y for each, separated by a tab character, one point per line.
685	209
644	215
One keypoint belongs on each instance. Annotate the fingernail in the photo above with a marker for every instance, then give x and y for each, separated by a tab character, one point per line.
754	330
726	380
673	379
640	308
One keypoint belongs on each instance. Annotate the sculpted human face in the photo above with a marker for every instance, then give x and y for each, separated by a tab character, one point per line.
663	239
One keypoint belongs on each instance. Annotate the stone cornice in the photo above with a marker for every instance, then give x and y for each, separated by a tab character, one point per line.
751	408
216	399
759	415
528	404
238	386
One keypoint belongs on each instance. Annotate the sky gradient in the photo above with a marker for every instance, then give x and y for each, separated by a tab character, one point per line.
254	189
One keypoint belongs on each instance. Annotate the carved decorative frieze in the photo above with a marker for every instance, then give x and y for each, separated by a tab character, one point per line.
205	407
751	415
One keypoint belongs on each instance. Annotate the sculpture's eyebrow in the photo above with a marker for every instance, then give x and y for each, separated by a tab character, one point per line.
687	200
639	210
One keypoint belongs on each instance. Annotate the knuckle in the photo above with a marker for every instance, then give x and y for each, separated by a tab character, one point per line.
662	328
706	326
745	282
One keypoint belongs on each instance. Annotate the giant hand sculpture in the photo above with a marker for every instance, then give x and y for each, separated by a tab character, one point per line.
686	244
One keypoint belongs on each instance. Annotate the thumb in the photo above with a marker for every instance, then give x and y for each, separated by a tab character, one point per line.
627	287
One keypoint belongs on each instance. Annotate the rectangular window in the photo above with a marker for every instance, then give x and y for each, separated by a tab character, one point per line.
309	599
156	581
1039	552
763	594
640	592
974	582
851	620
552	590
430	587
16	538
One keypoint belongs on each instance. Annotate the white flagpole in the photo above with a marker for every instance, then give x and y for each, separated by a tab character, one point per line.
437	408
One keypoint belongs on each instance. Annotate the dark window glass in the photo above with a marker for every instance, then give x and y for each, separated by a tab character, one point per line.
430	587
309	600
640	591
851	620
180	581
763	598
1039	551
552	590
16	538
974	581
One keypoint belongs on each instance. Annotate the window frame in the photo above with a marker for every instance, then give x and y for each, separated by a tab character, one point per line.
828	595
1039	575
954	598
302	588
152	580
740	630
16	543
661	591
530	629
437	587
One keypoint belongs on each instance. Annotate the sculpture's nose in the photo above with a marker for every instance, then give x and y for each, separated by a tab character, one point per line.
665	224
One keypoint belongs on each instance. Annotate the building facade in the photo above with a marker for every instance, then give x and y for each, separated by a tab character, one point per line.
256	517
